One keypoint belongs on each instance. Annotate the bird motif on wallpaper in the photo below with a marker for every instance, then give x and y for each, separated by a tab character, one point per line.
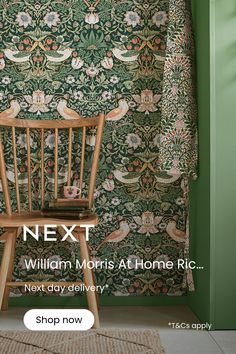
176	234
169	179
11	175
119	112
62	178
117	235
16	55
11	112
120	176
59	55
125	55
66	112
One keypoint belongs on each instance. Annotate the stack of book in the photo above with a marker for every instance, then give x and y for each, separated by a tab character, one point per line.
67	209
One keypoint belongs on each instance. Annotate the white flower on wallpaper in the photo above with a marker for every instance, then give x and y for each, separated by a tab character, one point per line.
77	63
6	80
106	95
133	140
91	140
23	260
114	79
97	193
50	141
51	19
70	79
23	19
91	18
115	201
38	101
147	222
132	18
107	217
134	261
22	141
163	259
92	71
107	63
160	18
2	64
52	260
78	95
108	185
180	201
147	101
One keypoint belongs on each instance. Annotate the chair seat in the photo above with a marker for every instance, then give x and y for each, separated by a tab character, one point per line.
35	218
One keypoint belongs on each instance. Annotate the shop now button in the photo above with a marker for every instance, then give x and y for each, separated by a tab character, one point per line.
58	320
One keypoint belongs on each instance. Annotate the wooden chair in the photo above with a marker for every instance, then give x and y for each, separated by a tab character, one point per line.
12	222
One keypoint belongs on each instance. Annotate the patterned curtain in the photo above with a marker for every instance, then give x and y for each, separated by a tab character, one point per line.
178	132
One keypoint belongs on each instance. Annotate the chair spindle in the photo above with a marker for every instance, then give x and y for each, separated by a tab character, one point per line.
42	167
4	179
95	159
29	168
15	169
69	156
56	164
81	176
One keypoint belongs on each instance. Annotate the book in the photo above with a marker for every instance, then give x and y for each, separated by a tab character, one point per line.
69	204
65	214
70	201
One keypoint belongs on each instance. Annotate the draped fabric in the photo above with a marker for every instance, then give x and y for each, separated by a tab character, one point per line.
178	131
132	60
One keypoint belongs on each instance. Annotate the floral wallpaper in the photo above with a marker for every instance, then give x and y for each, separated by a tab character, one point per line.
133	61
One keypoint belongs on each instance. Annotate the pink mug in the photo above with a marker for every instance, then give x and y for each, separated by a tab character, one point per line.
71	192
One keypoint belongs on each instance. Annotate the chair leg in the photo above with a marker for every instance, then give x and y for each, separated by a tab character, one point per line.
77	235
96	293
89	281
7	266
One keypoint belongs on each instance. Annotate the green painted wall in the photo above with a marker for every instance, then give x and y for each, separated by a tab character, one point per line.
214	194
200	190
223	155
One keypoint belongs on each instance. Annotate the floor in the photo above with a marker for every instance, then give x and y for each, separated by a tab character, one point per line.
175	341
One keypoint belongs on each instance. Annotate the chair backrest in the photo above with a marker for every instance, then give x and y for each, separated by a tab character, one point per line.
41	127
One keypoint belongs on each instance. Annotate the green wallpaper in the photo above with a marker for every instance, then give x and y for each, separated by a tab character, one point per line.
59	54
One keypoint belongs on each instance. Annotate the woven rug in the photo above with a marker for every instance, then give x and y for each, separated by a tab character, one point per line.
90	342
